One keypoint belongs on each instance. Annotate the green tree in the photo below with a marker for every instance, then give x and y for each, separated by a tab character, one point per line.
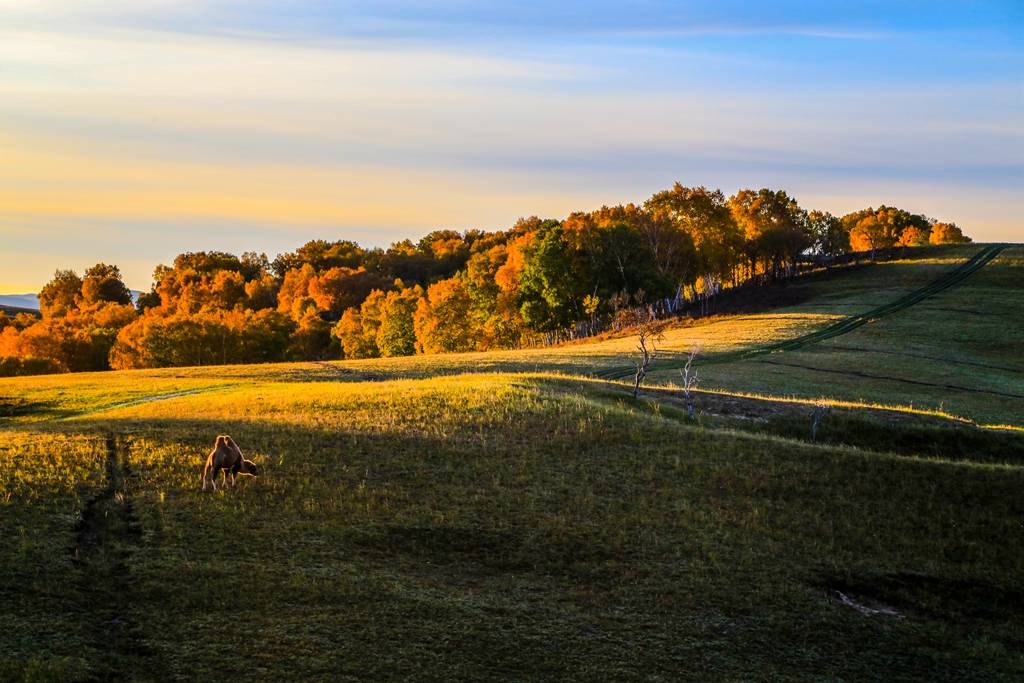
60	294
349	333
311	338
203	338
611	253
703	216
550	293
370	317
493	312
829	235
253	266
396	335
320	255
207	262
774	225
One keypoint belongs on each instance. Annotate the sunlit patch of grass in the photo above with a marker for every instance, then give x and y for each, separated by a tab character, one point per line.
1002	428
50	397
52	466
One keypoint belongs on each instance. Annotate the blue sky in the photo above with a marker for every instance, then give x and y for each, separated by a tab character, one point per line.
136	130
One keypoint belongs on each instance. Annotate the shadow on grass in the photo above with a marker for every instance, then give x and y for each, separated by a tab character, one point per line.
16	406
302	461
556	556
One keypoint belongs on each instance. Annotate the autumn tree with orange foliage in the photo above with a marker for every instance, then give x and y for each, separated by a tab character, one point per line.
358	327
947	233
78	327
881	228
449	291
442	322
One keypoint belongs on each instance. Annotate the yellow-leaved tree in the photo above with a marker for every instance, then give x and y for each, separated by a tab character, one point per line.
442	321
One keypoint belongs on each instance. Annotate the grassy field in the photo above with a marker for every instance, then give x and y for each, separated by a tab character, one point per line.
958	352
514	516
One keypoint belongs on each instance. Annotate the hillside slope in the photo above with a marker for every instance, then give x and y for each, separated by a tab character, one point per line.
515	516
956	351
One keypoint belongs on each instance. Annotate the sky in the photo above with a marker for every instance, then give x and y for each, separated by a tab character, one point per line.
134	130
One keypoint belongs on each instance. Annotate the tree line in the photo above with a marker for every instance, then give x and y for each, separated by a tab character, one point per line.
450	291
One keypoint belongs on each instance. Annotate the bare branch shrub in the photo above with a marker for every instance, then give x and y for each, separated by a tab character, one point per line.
648	335
821	409
690	380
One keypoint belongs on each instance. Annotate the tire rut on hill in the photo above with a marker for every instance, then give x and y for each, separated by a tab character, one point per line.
890	378
140	400
105	538
844	326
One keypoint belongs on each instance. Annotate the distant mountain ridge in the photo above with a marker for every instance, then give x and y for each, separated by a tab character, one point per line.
31	301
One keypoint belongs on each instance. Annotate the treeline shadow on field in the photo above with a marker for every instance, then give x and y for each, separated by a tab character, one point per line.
577	568
292	455
16	406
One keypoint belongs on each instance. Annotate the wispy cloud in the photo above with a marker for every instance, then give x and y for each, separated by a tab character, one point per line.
446	21
741	29
282	121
